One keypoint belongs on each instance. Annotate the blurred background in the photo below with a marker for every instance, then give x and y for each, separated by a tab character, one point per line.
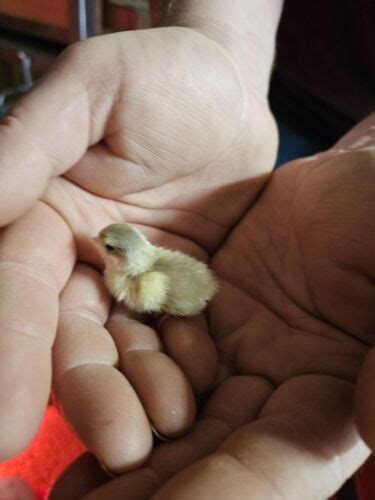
33	32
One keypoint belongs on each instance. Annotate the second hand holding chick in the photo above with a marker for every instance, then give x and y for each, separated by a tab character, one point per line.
151	279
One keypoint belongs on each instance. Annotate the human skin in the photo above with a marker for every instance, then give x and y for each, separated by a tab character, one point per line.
14	488
158	128
135	177
293	324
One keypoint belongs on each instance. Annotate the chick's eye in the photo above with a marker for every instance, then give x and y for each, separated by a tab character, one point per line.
110	248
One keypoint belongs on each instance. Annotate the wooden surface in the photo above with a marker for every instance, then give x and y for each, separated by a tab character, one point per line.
52	12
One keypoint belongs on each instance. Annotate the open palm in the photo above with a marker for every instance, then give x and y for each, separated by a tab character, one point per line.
292	324
179	150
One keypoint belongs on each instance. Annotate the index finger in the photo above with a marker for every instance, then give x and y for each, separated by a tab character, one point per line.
36	257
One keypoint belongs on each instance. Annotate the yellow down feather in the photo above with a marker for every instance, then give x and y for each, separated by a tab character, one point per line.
151	279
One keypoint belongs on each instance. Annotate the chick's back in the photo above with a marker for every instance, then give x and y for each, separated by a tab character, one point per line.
191	284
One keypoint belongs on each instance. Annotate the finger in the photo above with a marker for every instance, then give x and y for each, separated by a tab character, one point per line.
305	441
365	400
360	136
188	342
237	401
43	135
90	474
96	398
163	389
14	488
36	258
51	128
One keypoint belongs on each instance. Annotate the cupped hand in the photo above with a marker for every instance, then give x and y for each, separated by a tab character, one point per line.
155	128
293	322
131	112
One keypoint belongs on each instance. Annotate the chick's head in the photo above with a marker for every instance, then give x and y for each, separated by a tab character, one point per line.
126	245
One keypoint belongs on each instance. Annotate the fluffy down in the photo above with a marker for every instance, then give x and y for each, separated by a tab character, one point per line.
175	284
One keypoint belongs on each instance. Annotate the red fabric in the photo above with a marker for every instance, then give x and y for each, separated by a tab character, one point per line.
54	447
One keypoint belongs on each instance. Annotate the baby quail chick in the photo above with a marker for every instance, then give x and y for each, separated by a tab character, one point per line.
149	279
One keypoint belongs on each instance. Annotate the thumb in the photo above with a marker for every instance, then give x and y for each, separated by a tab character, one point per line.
49	130
365	400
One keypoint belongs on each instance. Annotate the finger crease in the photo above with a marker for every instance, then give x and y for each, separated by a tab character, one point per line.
83	313
28	270
31	335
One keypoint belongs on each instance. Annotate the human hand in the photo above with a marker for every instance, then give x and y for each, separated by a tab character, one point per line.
293	323
131	112
155	128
